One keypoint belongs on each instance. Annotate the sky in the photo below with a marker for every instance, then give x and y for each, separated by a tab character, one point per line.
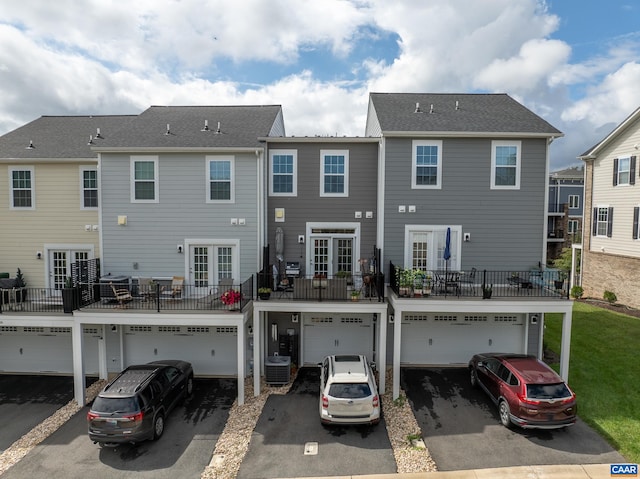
576	63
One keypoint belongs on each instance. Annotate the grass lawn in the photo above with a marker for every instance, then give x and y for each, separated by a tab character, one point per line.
604	372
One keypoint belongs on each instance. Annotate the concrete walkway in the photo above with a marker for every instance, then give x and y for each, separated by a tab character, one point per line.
586	471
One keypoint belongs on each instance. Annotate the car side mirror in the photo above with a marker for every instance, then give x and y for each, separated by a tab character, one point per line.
481	364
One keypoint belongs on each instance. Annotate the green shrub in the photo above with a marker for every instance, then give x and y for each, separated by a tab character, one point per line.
577	292
610	297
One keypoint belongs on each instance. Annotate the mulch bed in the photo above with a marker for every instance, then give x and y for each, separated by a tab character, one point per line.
618	308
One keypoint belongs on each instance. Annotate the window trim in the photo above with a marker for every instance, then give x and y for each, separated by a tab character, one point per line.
294	174
82	188
456	246
595	221
494	146
414	164
232	178
323	155
156	180
631	171
32	179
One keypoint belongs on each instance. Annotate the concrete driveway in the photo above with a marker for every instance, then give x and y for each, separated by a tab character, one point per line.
26	401
460	426
289	422
184	450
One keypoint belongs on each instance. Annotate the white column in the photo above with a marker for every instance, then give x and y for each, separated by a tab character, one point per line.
102	355
257	340
242	358
78	365
397	323
382	350
565	347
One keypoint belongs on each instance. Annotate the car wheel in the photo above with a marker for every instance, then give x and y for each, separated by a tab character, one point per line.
473	376
158	426
503	410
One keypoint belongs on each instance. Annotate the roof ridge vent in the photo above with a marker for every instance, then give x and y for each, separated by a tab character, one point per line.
417	110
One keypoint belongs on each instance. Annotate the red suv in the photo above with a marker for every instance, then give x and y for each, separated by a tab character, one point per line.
528	393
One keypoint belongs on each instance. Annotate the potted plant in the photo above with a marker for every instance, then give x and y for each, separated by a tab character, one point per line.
426	285
264	293
21	287
231	297
487	290
418	279
70	296
355	295
319	280
406	279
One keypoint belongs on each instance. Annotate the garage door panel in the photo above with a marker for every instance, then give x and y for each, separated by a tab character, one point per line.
336	335
212	350
453	339
44	350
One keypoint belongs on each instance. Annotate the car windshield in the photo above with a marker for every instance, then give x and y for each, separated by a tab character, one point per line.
547	391
115	405
350	390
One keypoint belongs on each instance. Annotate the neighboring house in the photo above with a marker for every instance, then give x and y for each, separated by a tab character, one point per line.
323	225
611	237
475	166
566	202
49	203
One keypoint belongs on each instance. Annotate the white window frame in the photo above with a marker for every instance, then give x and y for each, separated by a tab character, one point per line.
574	201
605	222
83	189
232	178
315	230
572	226
323	155
495	144
32	181
627	171
414	164
294	174
437	232
156	179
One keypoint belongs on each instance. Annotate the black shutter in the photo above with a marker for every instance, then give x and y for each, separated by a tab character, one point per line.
632	171
594	222
636	214
615	172
610	222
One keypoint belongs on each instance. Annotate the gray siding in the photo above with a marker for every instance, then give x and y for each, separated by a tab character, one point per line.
153	230
309	206
506	226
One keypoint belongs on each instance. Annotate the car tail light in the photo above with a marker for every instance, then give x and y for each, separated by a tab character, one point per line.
376	401
325	402
525	400
569	399
91	416
137	417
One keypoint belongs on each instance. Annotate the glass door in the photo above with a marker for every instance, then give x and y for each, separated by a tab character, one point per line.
321	256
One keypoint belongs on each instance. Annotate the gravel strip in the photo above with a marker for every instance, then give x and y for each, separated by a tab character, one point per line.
26	443
233	443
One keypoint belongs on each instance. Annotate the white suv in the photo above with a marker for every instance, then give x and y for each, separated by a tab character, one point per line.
348	391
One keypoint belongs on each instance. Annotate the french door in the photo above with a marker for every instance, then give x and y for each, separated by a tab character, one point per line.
60	261
210	264
332	254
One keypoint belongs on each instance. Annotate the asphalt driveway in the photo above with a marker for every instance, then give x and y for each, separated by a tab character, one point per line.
26	401
460	426
290	422
184	450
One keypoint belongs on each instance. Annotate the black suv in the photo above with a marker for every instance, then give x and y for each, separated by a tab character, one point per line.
133	406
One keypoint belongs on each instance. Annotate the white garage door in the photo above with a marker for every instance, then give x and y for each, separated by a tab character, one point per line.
212	350
36	349
454	338
325	335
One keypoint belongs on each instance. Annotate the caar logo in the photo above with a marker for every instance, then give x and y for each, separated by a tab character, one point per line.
624	470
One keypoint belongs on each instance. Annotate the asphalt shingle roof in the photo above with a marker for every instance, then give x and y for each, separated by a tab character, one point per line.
60	136
240	126
476	113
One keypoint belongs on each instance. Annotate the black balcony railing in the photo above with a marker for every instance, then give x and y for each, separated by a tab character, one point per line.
31	300
548	283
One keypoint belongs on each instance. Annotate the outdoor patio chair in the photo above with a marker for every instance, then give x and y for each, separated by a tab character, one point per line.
177	283
122	295
469	281
216	292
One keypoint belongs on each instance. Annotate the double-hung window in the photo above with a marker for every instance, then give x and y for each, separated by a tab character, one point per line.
426	167
144	179
89	188
283	172
334	177
505	165
624	171
574	201
220	179
602	222
22	182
